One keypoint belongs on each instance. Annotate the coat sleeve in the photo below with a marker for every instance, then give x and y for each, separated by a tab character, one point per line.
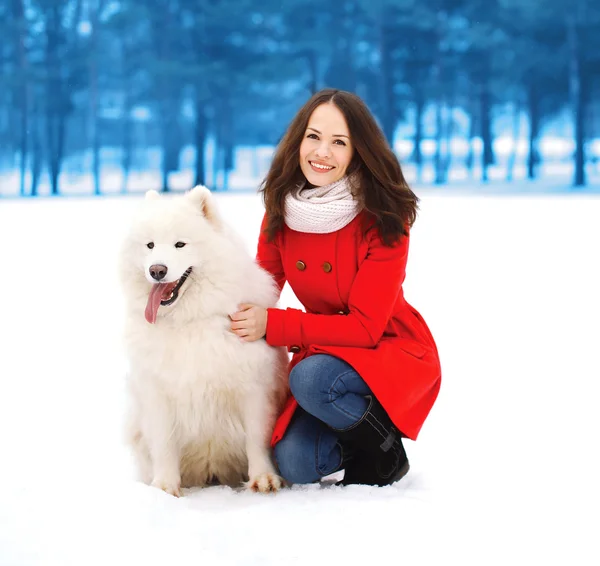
268	256
372	299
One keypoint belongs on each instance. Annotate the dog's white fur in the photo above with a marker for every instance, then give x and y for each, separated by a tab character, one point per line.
203	402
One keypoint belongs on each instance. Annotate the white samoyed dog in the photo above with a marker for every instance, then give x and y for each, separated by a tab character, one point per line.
202	402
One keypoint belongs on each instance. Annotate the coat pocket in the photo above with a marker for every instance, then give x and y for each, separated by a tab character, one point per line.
413	348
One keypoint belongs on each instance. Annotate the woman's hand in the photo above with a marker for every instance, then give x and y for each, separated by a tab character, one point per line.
249	323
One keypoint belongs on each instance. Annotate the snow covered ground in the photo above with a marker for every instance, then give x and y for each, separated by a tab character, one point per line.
505	471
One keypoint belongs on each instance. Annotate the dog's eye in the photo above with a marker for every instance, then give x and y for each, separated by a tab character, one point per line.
150	245
180	244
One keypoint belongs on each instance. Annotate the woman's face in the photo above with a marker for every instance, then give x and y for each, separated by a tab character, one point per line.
326	150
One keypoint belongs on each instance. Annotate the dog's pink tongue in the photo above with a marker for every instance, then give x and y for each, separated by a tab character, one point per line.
154	299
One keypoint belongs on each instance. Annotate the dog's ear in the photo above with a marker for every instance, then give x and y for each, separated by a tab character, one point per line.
152	195
202	198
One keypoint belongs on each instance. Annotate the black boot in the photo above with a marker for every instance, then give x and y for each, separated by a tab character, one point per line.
376	445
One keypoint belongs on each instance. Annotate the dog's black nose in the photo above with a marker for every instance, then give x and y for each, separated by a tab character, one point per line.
158	271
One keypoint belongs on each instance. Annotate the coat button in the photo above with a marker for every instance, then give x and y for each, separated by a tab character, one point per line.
295	349
300	265
327	267
343	312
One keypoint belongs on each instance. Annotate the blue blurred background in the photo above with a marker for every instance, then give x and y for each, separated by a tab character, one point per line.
111	97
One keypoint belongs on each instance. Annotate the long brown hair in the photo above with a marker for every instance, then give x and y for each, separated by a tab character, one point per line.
380	185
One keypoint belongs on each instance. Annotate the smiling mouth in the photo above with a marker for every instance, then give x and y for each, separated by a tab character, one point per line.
320	167
164	294
173	293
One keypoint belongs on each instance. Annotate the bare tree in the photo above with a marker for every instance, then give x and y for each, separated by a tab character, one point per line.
63	64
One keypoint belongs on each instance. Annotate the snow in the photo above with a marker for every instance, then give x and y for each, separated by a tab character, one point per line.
505	470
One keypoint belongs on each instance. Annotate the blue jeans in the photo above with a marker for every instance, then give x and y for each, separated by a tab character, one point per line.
331	395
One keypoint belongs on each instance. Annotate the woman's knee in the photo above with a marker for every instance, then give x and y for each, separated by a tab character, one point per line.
314	376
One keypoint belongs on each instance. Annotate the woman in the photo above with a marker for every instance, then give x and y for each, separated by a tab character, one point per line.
365	370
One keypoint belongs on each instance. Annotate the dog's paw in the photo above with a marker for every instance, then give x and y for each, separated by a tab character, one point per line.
265	483
172	488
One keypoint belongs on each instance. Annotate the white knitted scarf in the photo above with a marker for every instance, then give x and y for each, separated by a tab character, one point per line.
321	210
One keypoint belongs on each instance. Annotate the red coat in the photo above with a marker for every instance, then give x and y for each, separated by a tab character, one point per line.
351	289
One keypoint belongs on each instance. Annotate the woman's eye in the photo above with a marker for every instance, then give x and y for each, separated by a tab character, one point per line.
180	244
150	245
312	136
340	142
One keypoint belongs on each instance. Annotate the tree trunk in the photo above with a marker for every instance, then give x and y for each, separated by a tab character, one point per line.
170	136
312	60
95	137
486	132
36	168
388	114
165	163
55	99
216	166
577	100
417	154
439	121
126	139
200	135
448	130
24	146
36	150
52	140
225	170
470	158
127	124
346	42
217	148
534	126
438	95
228	158
165	97
94	97
165	136
19	13
228	143
60	151
439	138
516	134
